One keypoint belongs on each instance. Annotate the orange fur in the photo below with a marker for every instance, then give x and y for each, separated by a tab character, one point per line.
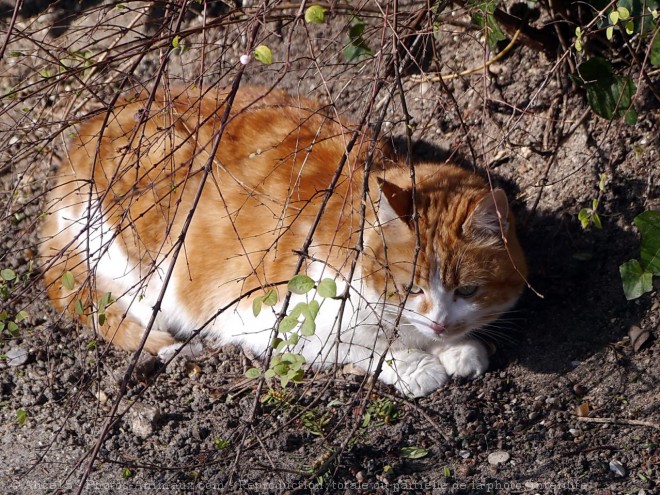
276	158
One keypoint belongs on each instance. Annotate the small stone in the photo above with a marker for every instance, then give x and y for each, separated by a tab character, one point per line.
102	396
465	454
464	470
142	419
617	468
498	457
583	409
359	476
579	389
16	357
193	369
351	369
146	368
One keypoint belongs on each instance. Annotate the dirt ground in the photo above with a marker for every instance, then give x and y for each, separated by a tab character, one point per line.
569	405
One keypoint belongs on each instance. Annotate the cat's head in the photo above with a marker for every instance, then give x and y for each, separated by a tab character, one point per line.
465	274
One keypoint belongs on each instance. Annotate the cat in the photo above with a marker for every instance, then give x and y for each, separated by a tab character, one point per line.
119	203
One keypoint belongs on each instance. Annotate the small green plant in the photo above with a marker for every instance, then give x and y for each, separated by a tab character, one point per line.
299	323
381	412
10	323
126	473
589	216
356	48
21	417
413	453
637	275
314	422
220	443
482	13
609	94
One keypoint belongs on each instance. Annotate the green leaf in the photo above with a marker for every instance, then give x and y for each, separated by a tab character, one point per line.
482	16
327	288
655	51
263	54
270	299
313	309
253	373
623	12
301	284
579	43
79	308
256	305
287	324
413	452
315	14
648	224
584	216
20	316
175	41
609	32
7	274
12	328
68	281
635	280
609	95
614	17
270	373
356	49
102	319
295	376
308	327
366	419
293	340
105	300
596	220
21	416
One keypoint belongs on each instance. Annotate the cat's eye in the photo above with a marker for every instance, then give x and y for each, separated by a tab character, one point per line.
414	290
466	290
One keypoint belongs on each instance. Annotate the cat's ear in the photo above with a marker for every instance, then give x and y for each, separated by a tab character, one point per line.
485	218
395	202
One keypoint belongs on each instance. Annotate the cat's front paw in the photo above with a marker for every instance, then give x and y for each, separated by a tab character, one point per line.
468	359
414	374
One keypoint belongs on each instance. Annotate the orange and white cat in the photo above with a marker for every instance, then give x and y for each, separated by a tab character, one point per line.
128	185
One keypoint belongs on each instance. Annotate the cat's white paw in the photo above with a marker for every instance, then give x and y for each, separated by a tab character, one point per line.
191	350
467	359
414	373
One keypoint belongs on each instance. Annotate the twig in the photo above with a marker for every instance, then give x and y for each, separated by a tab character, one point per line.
616	421
474	70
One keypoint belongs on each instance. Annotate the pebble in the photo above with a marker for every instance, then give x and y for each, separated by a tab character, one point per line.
142	419
465	454
617	468
359	476
146	368
16	357
498	457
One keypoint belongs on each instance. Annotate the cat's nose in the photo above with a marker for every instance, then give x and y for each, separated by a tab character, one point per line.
438	328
